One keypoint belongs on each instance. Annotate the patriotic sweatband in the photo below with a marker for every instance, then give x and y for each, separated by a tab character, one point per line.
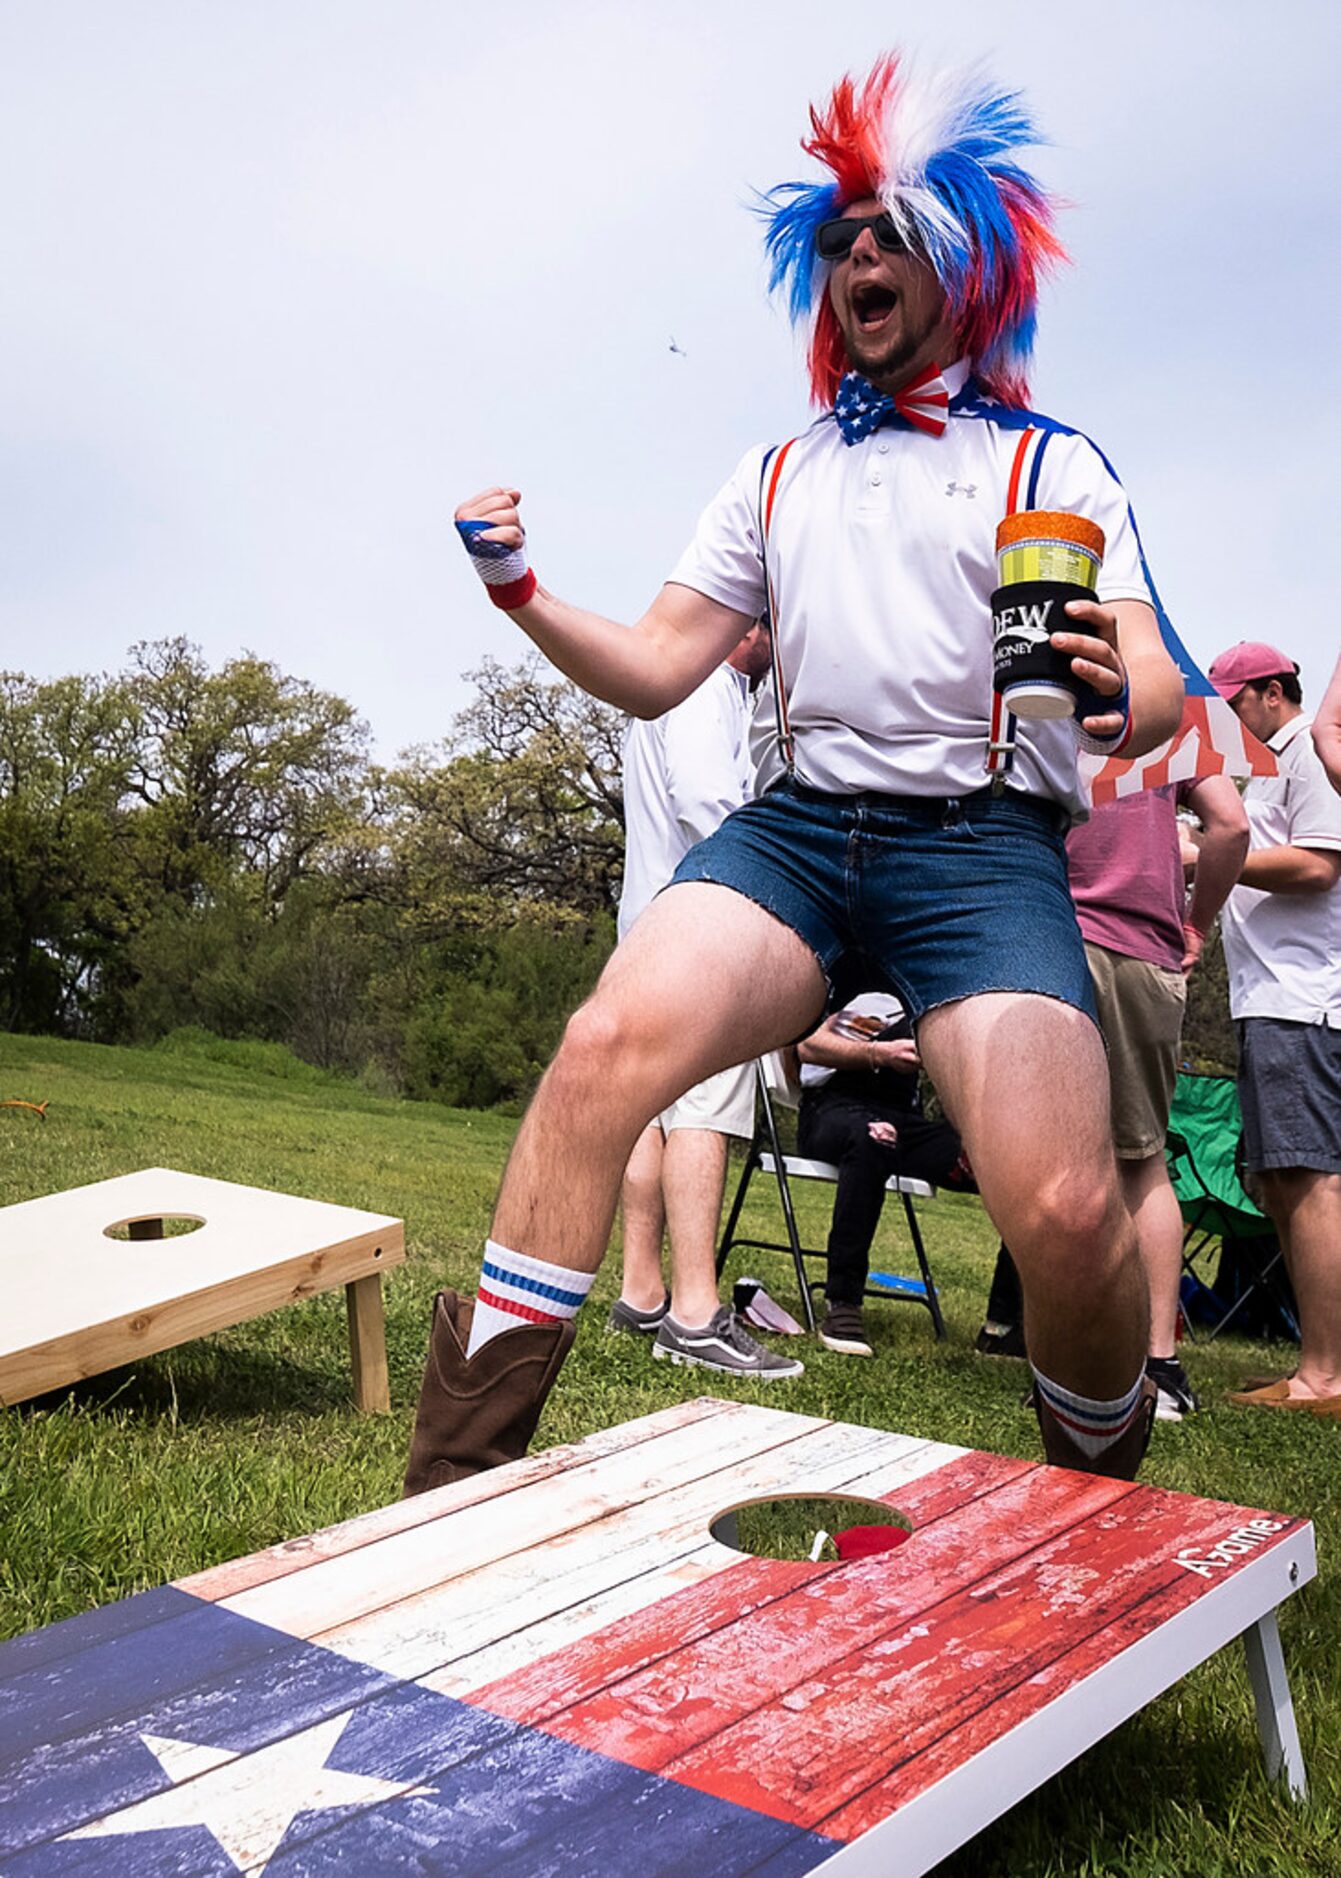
1092	703
508	580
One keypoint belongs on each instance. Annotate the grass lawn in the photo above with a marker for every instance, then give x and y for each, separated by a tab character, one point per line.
249	1437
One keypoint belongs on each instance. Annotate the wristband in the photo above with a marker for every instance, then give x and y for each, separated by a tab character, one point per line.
1092	703
507	579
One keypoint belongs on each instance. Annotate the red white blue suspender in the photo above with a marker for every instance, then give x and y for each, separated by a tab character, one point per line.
769	475
1001	734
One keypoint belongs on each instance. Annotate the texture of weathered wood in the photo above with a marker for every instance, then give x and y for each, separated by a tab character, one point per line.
294	1555
557	1667
339	1590
548	1583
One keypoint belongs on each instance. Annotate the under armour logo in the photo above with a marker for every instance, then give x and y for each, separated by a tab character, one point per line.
962	489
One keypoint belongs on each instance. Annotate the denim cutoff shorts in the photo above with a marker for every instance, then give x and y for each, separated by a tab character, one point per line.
935	899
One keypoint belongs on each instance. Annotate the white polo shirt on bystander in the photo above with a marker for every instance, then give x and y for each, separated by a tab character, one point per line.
1283	950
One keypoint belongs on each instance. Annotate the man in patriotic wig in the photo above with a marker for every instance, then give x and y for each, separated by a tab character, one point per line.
911	830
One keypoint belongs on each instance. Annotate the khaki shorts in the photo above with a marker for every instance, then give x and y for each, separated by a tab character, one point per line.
1141	1016
724	1103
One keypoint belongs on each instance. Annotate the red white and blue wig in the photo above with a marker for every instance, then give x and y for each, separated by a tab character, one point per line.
938	153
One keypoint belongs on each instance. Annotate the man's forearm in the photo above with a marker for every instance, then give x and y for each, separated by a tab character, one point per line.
639	669
1289	869
1156	698
1221	852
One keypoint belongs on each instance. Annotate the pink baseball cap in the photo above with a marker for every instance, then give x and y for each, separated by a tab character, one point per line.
1248	661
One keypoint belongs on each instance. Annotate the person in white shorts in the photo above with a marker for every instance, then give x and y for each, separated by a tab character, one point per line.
684	772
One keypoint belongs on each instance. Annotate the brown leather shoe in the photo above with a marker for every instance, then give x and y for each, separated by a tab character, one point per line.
1276	1395
481	1413
1118	1462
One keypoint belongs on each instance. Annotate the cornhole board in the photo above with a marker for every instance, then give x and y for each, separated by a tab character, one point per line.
75	1301
556	1668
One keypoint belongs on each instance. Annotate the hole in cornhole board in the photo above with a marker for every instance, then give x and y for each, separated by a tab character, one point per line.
787	1526
153	1226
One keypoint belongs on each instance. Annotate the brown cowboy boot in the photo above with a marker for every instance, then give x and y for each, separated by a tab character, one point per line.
480	1413
1118	1462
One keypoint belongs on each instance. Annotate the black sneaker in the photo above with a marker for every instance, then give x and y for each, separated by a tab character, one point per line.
843	1330
722	1344
644	1323
1176	1399
1000	1340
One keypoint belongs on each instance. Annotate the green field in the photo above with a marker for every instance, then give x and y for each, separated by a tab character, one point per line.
249	1437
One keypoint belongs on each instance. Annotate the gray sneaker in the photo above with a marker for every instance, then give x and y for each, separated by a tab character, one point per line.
628	1317
723	1344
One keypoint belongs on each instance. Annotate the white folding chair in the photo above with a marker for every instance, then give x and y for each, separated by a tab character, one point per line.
765	1156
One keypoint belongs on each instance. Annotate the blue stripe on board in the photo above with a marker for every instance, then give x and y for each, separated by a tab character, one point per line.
503	1798
73	1634
69	1735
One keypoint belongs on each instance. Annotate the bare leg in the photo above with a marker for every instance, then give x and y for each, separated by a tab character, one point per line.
1025	1081
706	979
1305	1208
1154	1208
693	1174
644	1222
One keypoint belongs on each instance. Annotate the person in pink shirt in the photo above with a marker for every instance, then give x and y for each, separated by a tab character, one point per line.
1143	935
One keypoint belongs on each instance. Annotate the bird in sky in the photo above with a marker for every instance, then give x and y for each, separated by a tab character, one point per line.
678	349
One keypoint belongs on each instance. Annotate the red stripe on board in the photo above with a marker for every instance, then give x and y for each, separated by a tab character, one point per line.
634	1643
1016	470
1084	1607
867	1717
799	1706
685	1714
516	1309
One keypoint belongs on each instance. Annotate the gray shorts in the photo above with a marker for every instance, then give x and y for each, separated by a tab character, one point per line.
1290	1094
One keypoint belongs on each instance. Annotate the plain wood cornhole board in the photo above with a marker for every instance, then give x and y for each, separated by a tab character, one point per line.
74	1302
555	1668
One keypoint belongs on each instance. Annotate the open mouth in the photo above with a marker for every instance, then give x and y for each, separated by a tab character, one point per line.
872	305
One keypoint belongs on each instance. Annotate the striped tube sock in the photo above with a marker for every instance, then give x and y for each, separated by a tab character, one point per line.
518	1290
1093	1426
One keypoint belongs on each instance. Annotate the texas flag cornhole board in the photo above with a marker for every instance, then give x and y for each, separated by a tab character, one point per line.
556	1668
78	1298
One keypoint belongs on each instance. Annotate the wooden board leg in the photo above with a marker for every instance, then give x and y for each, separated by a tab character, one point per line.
367	1343
1275	1711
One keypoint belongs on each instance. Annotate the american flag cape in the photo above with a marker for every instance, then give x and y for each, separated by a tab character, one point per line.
1209	741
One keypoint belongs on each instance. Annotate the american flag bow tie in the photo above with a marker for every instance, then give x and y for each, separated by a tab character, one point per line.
922	405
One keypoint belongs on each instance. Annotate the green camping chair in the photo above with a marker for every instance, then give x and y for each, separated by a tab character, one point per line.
1204	1136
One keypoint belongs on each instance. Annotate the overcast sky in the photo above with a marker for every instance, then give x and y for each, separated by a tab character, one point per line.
284	281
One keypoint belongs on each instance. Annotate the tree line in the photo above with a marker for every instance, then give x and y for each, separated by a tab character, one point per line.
181	846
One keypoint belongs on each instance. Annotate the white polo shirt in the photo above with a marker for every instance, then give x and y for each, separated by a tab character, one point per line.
883	563
683	774
1283	950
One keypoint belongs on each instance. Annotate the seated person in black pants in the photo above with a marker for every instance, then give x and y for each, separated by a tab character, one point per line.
861	1108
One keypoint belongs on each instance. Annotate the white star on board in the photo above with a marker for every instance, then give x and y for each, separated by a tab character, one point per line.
248	1801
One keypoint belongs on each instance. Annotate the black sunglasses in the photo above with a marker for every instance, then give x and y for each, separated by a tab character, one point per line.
834	240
